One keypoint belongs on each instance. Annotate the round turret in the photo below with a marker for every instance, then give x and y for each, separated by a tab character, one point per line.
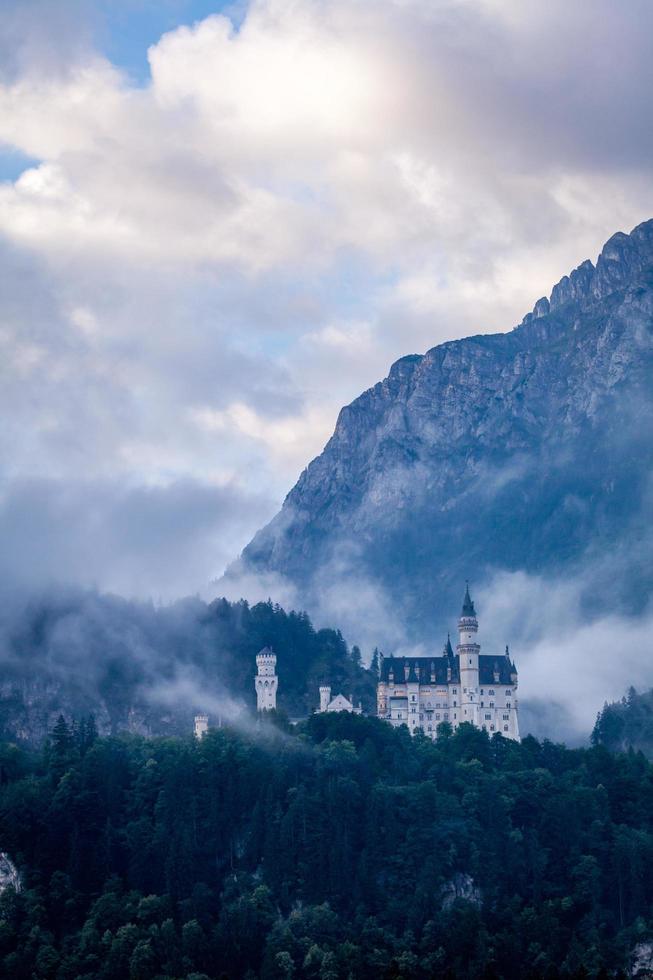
201	725
266	680
266	662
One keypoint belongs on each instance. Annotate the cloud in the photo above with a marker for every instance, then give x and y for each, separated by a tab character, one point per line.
199	270
159	542
570	661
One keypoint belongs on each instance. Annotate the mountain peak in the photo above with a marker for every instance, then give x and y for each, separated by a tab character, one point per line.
621	258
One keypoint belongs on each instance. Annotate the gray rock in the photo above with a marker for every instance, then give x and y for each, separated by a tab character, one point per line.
460	886
524	450
9	876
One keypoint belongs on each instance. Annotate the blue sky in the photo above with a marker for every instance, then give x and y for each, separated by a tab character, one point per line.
126	29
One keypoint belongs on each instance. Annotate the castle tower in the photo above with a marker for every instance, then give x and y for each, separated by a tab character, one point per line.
325	697
468	651
201	725
266	680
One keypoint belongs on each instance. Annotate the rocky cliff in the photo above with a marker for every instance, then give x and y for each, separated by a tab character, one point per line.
526	450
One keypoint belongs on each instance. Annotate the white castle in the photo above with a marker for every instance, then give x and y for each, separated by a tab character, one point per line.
338	703
266	681
201	725
423	692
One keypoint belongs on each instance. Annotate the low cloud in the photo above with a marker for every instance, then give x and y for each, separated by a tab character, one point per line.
151	542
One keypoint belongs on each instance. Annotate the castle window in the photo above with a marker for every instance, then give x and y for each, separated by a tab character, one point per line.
482	691
506	717
491	728
446	716
491	704
455	690
437	717
455	715
505	728
490	692
482	702
508	705
487	717
470	660
464	690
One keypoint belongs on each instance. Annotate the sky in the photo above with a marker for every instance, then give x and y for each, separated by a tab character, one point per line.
221	222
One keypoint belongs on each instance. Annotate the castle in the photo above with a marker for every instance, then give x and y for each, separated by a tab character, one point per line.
423	692
466	686
266	681
338	703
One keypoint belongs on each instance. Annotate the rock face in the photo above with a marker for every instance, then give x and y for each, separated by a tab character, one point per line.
9	876
526	450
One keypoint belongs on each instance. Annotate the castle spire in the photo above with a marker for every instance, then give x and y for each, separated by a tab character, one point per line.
468	605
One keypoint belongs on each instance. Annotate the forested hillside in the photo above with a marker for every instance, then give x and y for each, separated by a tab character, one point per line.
627	724
147	669
345	850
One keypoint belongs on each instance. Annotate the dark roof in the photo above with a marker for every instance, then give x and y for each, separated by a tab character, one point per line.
423	669
468	605
420	669
487	665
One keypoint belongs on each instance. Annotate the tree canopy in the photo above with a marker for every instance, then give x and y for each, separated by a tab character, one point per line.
345	849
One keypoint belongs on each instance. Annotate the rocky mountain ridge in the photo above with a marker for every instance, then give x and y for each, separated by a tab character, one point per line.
527	450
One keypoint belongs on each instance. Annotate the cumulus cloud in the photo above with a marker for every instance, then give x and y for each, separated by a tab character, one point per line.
199	270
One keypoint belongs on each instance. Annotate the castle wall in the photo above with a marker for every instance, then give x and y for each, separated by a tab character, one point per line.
420	706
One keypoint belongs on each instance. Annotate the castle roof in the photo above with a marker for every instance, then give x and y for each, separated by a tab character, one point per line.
468	605
433	670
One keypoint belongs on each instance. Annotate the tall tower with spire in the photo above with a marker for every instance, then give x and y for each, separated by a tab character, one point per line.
468	653
465	687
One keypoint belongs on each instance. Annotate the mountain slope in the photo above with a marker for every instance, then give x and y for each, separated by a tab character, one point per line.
529	450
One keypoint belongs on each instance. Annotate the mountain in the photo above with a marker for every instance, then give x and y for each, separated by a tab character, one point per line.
528	451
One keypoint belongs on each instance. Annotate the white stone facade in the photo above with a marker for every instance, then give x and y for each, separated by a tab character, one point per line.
423	692
201	725
338	703
266	681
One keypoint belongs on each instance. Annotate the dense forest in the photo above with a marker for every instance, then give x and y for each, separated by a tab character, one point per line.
627	724
147	669
342	849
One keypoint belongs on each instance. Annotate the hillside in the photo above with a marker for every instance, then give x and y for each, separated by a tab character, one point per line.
529	451
350	850
627	724
147	669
